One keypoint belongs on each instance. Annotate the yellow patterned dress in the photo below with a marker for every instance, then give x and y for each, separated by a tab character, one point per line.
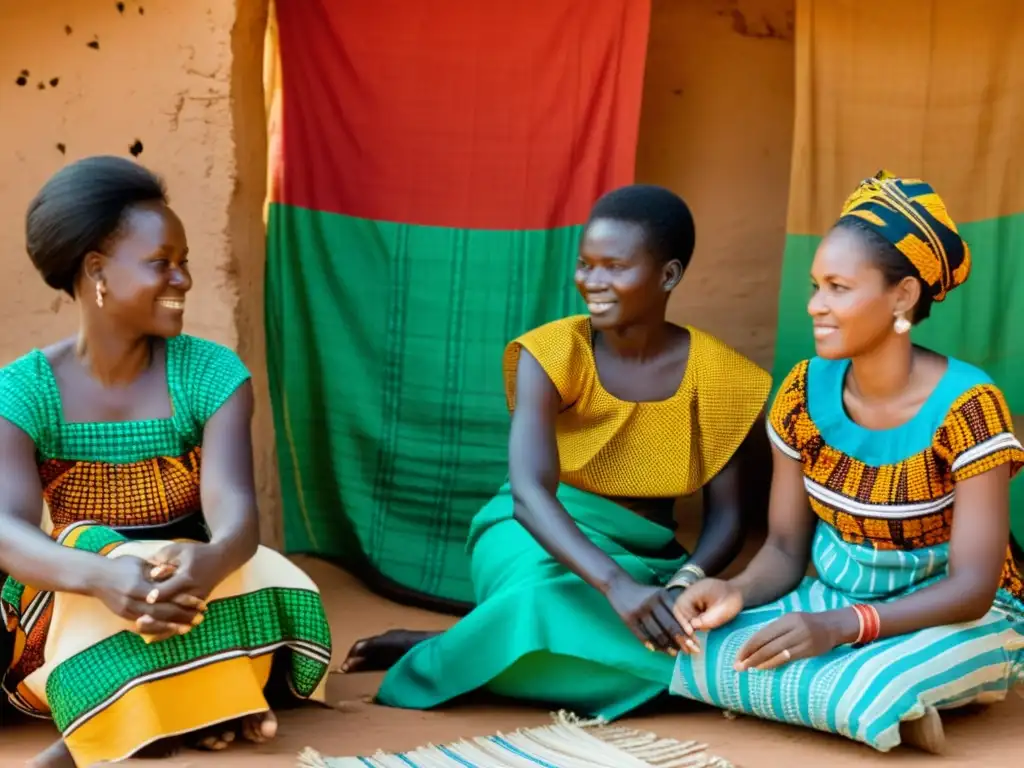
127	488
884	502
539	632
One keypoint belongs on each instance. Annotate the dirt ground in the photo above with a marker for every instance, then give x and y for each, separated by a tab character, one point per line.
979	738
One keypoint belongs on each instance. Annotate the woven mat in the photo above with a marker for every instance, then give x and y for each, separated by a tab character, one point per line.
568	742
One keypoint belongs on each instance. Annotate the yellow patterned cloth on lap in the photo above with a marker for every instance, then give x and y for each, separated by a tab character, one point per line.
662	449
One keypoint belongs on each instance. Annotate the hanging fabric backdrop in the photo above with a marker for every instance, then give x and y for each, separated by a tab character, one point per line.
931	90
431	166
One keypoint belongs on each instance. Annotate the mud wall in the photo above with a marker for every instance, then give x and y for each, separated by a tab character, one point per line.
177	83
716	127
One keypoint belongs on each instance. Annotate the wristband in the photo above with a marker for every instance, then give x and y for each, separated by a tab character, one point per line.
686	576
870	623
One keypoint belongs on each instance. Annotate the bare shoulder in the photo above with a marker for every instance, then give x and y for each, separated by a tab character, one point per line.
59	353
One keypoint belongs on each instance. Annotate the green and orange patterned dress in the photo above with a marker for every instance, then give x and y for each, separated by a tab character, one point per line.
127	488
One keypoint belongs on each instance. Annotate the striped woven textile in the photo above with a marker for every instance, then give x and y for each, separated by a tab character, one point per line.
432	167
866	692
568	742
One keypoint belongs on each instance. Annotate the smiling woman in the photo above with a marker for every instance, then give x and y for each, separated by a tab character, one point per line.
891	476
615	415
133	623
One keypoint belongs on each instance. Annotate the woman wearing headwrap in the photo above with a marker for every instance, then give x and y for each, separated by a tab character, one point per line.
892	467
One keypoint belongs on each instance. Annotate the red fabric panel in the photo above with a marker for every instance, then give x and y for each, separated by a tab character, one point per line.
488	114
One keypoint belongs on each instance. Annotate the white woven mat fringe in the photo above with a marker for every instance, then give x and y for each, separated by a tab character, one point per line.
569	742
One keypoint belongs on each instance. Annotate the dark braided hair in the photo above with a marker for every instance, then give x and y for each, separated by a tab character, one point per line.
79	209
893	264
663	215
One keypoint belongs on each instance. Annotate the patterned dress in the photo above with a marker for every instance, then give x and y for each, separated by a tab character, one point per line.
110	690
884	502
539	632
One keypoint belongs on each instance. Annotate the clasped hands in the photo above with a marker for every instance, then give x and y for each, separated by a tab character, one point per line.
667	619
164	595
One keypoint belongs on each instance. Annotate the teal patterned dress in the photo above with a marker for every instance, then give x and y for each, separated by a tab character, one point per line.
884	503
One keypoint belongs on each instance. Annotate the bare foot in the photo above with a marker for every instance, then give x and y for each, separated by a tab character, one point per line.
255	728
925	733
215	738
54	756
380	652
259	728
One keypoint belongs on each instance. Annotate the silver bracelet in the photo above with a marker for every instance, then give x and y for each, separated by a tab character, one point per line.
687	576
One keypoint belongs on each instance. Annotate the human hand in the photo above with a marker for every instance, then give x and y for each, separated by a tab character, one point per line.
707	604
647	611
793	636
126	586
187	569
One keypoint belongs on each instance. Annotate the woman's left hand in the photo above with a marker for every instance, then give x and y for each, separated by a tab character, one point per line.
187	569
793	636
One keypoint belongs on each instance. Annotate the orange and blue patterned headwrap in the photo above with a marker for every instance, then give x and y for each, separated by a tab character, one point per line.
909	214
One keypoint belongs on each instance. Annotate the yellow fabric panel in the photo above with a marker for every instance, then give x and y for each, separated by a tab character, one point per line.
659	449
930	90
170	706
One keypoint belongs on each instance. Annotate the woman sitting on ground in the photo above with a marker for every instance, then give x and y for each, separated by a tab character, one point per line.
892	467
615	415
151	611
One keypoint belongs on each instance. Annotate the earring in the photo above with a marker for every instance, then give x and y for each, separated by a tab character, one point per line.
901	324
100	290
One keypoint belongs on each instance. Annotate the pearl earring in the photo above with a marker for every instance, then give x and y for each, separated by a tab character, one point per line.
99	293
901	324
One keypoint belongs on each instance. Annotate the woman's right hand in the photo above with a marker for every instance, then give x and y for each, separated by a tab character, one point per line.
708	604
647	611
125	585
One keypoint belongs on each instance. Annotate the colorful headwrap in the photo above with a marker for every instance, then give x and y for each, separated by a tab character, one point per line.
909	214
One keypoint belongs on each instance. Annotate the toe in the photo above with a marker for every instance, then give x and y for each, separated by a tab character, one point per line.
268	726
210	742
352	664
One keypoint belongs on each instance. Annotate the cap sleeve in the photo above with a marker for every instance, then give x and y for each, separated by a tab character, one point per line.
731	395
22	395
977	434
208	374
563	350
789	424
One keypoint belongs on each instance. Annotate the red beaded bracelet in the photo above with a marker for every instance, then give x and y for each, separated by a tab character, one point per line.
870	623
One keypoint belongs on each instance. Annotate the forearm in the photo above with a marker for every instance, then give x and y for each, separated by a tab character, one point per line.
234	529
719	540
540	513
774	572
34	559
949	601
